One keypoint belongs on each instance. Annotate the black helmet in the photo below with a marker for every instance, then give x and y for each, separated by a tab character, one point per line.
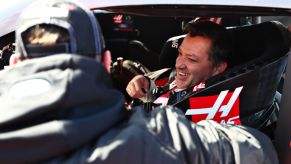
84	31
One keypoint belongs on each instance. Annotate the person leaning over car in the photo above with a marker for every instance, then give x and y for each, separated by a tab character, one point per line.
59	107
202	54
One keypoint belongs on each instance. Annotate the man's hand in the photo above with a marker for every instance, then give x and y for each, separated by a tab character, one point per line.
138	87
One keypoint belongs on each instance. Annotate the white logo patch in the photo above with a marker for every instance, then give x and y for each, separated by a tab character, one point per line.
29	87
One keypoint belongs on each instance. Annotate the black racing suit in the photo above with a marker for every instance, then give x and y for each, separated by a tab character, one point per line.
62	109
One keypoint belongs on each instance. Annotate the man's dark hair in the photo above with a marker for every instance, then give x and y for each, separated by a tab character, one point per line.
45	39
45	34
222	42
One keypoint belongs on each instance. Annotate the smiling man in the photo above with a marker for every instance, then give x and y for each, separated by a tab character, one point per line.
202	54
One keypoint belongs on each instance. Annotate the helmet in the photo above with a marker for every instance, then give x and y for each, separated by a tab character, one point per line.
84	31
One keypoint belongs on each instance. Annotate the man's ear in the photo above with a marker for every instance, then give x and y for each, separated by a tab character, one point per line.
106	60
219	69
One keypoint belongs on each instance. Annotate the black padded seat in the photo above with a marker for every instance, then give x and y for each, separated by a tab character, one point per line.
169	52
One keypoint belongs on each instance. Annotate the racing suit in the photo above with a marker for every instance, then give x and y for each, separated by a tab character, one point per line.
163	89
62	109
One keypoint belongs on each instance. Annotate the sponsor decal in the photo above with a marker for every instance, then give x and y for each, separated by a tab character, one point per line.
172	85
199	86
223	108
175	44
117	19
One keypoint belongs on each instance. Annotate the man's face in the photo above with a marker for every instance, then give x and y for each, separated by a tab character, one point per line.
193	63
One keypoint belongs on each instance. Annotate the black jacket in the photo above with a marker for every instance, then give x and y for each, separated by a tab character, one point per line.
62	109
78	106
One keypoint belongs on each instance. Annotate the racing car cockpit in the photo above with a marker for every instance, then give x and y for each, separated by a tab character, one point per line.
248	85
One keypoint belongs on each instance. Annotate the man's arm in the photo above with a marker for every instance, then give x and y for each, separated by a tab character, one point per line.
140	87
